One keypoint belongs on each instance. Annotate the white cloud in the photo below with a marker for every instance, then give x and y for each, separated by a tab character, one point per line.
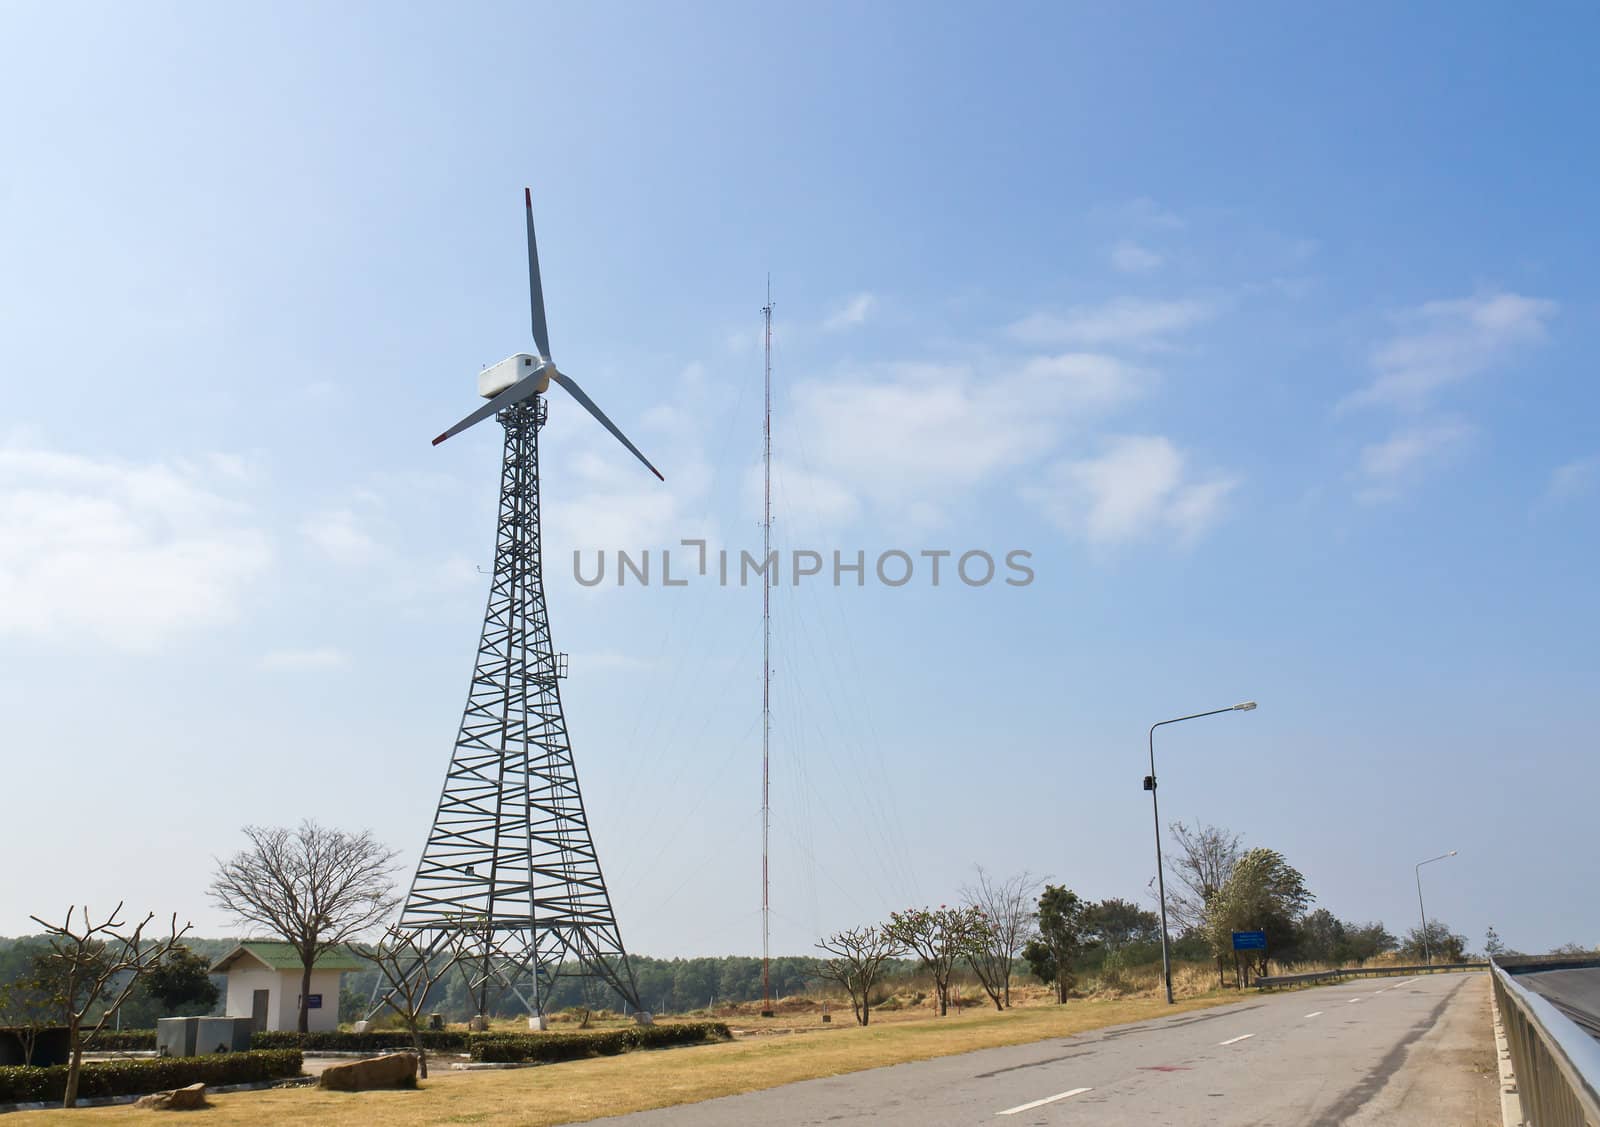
339	535
811	503
1387	468
130	555
321	659
852	313
1443	342
1131	258
1147	213
1140	487
913	437
359	542
1573	480
1123	320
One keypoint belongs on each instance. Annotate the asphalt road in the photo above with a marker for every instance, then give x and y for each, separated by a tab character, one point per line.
1390	1051
1575	992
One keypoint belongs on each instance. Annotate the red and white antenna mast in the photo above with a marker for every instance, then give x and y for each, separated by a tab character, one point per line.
766	664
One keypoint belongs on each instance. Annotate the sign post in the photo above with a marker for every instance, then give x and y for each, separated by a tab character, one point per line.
1247	941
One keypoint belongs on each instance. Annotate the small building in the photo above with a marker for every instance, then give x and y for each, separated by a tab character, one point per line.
264	984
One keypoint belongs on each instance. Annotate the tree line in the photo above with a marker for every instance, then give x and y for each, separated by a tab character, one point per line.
83	975
1216	887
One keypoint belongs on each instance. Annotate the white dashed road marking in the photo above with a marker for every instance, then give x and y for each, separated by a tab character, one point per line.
1041	1103
1236	1040
1315	1013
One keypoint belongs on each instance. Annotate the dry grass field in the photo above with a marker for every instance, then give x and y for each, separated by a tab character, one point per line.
795	1045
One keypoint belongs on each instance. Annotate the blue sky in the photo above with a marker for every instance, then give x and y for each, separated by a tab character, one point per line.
1268	333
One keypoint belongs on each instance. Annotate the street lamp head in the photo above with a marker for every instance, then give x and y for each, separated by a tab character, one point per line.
1452	853
1247	706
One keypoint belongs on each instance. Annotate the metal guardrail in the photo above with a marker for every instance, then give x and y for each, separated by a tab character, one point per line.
1266	982
1557	1063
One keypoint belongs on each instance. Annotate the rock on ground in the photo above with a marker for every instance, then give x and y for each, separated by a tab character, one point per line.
393	1070
179	1099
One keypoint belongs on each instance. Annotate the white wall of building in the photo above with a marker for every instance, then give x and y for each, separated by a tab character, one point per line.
245	977
283	999
324	982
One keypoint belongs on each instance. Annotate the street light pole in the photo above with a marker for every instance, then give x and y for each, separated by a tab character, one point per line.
1155	809
1427	953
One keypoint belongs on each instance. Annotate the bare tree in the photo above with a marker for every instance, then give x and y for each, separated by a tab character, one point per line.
412	971
1198	869
317	888
940	937
98	966
1007	909
857	956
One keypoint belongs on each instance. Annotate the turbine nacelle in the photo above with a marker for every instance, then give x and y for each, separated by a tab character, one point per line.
513	370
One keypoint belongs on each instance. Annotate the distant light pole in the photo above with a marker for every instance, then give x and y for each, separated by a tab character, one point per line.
1427	954
1150	785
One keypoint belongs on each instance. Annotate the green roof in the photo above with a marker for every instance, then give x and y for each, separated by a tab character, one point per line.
279	955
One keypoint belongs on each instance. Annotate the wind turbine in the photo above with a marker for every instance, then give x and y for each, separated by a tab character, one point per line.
510	871
518	376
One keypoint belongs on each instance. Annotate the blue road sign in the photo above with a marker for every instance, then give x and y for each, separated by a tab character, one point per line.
1249	941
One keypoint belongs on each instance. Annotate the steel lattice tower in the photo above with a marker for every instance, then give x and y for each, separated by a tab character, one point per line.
510	868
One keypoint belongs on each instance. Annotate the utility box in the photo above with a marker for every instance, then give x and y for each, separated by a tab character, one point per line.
175	1036
223	1035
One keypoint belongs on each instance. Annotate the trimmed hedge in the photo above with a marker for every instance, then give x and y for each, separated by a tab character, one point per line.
548	1048
19	1084
375	1041
123	1041
502	1046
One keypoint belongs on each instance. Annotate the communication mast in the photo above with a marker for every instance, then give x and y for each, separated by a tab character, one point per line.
766	663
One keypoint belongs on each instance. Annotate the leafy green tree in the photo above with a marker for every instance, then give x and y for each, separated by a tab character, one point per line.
352	1003
1363	942
182	981
1437	945
30	1003
1262	893
1116	923
1320	937
181	986
1062	925
19	957
940	938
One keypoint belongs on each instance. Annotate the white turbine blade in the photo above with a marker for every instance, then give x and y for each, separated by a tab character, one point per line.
516	393
541	334
577	393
